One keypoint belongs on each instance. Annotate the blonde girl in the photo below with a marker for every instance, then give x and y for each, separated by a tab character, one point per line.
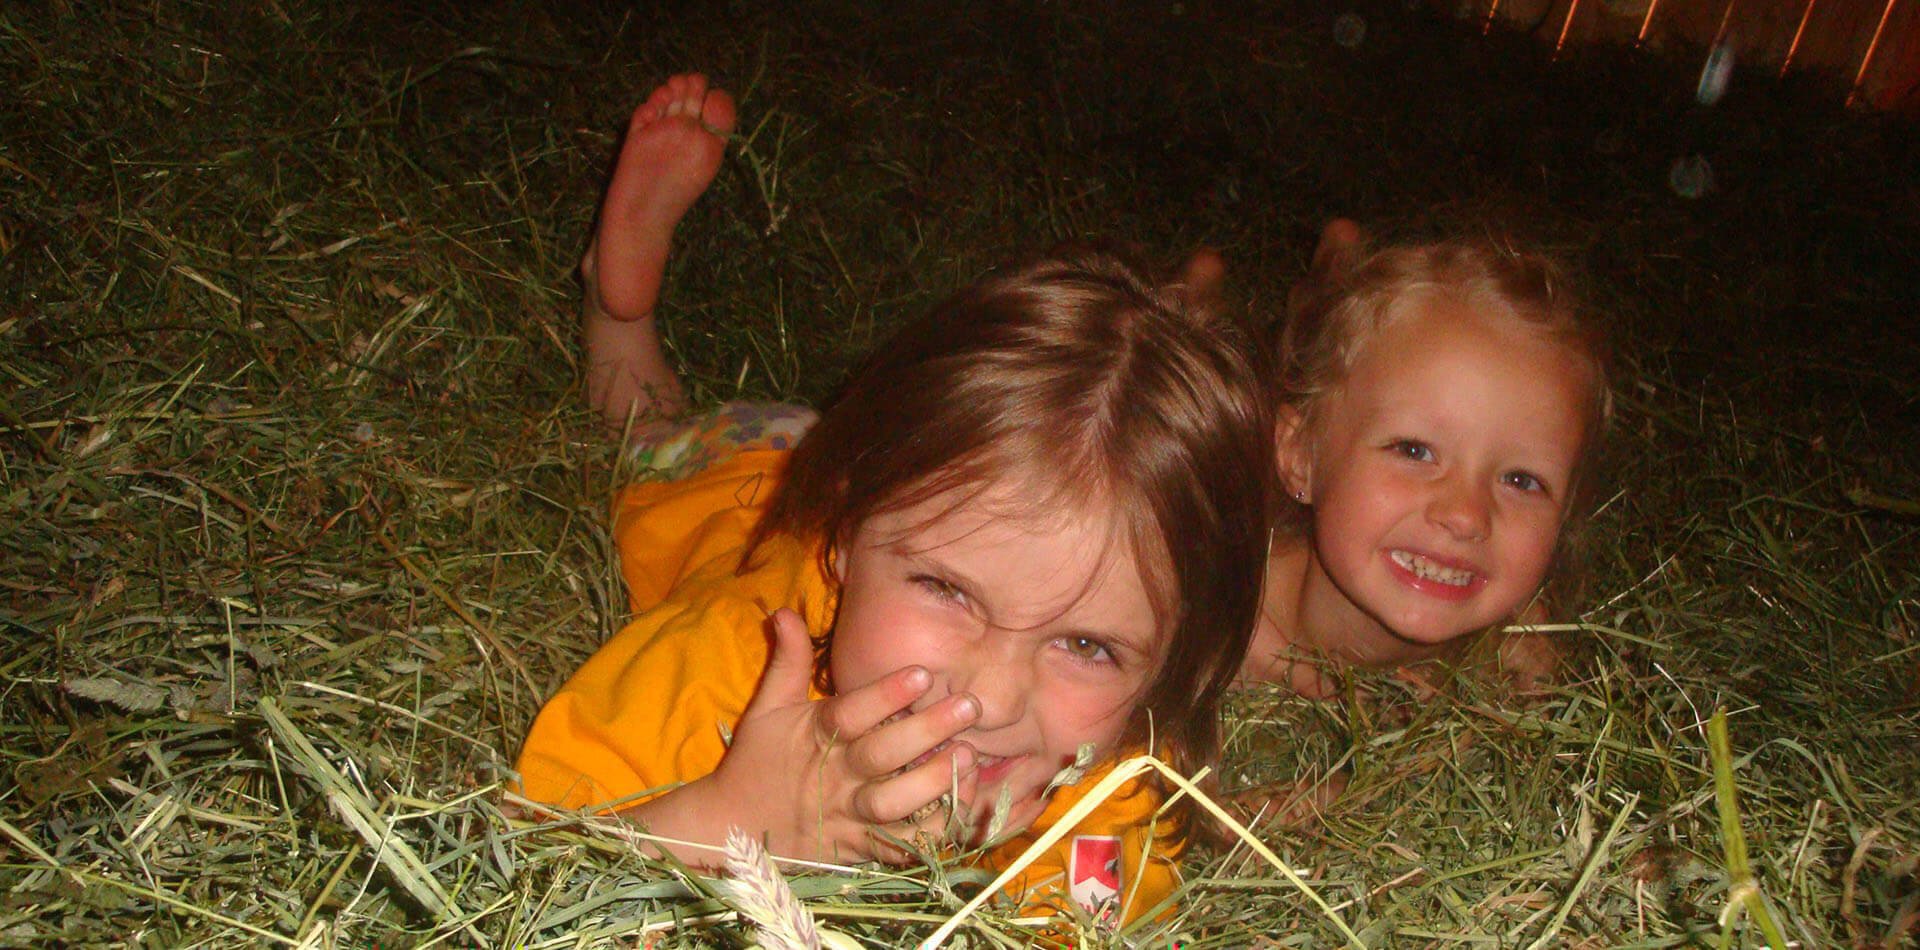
1439	408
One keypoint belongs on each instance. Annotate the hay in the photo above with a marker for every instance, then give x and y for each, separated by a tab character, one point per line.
302	516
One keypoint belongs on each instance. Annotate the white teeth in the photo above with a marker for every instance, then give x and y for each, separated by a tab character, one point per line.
1428	570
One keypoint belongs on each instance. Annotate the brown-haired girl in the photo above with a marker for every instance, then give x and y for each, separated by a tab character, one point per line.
1033	523
1439	407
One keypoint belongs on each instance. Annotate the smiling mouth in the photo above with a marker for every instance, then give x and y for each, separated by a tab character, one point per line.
993	768
1428	569
984	764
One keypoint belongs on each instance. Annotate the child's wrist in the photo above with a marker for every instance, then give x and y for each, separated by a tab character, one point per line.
686	814
704	813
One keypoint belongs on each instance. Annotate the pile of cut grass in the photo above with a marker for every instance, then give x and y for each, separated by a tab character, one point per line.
302	516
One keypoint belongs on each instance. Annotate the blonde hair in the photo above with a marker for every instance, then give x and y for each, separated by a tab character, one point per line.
1099	392
1330	323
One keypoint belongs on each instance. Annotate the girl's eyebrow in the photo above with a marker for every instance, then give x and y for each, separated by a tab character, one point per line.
924	561
967	586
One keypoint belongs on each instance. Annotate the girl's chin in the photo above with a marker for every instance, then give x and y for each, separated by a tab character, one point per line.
1413	634
1425	638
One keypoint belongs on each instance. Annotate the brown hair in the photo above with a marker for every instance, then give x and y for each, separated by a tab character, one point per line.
1078	376
1330	322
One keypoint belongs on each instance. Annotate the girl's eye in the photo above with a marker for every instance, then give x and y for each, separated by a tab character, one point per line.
1087	648
1524	481
937	587
1411	450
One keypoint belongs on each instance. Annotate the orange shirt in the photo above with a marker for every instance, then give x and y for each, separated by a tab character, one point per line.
653	707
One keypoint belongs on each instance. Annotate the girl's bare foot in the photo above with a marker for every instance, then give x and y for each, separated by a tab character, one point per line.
1342	244
672	149
1201	278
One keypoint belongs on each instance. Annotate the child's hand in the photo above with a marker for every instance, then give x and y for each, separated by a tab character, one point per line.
825	779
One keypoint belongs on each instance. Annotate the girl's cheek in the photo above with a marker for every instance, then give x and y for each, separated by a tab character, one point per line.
1102	715
1547	537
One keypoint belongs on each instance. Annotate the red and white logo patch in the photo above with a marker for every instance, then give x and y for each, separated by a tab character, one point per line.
1093	874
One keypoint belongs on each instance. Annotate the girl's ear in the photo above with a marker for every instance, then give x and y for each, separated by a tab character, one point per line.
1293	455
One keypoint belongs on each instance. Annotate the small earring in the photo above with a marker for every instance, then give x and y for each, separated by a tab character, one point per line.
1300	495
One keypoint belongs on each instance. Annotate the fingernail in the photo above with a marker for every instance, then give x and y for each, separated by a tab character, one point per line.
917	678
963	758
966	707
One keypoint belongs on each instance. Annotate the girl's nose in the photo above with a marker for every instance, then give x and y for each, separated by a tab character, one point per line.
1464	508
994	672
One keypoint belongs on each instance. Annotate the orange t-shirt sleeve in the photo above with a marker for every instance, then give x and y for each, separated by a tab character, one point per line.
667	529
652	707
647	711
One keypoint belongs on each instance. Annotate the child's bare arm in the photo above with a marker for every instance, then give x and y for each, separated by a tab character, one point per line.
821	779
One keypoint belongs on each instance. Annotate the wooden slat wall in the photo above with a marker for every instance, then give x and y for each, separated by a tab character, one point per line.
1835	36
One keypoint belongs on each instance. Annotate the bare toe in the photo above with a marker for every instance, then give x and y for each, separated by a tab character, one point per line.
693	89
656	105
686	91
717	113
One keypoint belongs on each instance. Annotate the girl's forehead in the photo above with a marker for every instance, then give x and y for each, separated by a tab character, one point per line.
1457	375
1011	515
1434	319
1006	507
